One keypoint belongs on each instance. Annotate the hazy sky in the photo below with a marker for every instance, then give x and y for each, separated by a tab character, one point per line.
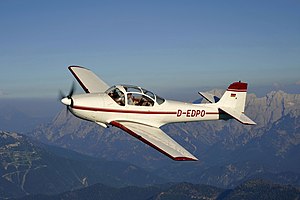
158	44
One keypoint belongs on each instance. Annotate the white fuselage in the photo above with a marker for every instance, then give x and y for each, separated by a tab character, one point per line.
101	108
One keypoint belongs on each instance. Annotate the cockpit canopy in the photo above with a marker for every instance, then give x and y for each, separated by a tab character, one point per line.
133	95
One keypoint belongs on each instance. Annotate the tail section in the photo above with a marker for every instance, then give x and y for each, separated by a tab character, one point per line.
235	96
233	102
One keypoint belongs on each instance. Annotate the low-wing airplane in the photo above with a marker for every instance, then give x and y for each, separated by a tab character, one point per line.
141	113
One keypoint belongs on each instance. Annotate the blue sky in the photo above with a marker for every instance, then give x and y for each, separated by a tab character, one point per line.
161	45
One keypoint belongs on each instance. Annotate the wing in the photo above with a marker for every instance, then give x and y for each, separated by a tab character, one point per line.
209	97
89	81
157	139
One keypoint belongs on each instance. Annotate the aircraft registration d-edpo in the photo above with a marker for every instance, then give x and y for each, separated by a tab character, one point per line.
141	113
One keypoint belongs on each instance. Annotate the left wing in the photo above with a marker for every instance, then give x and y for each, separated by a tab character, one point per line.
89	81
157	139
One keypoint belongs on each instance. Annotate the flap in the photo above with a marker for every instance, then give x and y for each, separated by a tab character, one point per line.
157	139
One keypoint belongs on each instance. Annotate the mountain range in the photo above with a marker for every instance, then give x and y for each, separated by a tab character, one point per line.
250	190
229	153
30	167
32	170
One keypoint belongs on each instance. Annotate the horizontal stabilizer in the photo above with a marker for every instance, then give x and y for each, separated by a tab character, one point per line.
241	117
209	97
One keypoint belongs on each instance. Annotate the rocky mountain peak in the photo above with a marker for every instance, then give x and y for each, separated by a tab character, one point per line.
272	107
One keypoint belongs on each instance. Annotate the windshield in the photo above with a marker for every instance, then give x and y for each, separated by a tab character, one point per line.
135	96
117	95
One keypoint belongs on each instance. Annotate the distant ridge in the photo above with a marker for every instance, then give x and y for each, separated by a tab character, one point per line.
250	190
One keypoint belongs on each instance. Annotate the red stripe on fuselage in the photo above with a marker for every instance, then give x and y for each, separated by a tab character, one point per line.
133	111
212	113
122	111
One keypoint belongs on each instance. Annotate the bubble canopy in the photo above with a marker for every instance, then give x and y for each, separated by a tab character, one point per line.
133	95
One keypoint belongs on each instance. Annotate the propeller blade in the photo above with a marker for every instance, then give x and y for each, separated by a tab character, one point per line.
73	88
61	95
67	100
67	111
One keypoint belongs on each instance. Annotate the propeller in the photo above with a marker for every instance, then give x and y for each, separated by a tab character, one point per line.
67	99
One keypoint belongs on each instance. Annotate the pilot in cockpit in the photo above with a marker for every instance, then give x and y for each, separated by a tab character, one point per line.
117	96
130	99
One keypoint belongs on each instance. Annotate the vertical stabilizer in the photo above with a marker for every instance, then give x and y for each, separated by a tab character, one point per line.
233	102
235	96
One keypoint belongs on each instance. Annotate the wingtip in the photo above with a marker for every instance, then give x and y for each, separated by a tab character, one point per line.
252	123
78	78
185	159
76	66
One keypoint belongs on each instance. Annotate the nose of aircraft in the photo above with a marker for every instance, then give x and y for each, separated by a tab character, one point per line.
67	101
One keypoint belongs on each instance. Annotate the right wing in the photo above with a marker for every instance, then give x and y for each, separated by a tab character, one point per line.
157	139
89	81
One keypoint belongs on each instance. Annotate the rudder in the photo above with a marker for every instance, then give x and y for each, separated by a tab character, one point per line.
235	96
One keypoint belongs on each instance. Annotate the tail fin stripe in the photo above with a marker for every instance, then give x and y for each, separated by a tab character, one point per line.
238	87
237	90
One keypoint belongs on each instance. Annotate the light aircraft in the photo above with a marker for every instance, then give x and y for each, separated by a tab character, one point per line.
141	113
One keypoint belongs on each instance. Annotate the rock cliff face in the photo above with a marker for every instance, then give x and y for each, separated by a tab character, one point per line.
229	152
